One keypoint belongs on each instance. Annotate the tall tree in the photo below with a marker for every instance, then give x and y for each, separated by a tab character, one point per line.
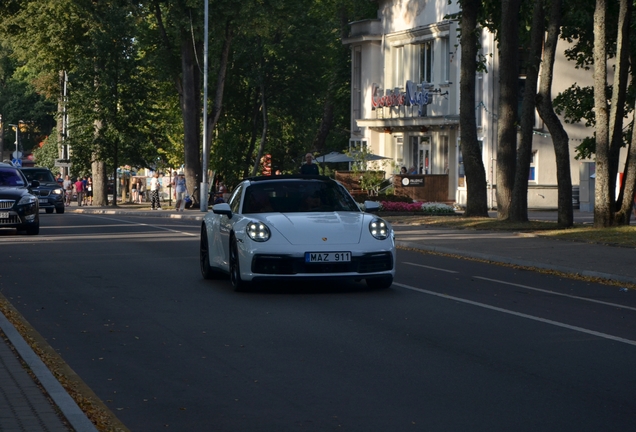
560	138
603	202
519	199
508	87
476	188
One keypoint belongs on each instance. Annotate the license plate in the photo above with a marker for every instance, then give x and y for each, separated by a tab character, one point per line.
4	215
43	201
327	257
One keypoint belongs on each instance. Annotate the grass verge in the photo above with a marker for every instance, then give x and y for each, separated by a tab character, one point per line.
623	236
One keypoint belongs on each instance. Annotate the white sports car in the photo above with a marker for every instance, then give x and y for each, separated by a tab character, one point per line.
295	227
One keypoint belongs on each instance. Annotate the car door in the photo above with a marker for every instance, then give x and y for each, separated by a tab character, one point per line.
222	245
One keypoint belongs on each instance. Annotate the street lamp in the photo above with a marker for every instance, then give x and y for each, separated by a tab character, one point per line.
16	155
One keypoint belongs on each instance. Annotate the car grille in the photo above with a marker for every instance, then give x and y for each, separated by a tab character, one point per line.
6	204
42	193
11	220
285	265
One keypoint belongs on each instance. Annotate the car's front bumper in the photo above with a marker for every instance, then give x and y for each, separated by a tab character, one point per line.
19	216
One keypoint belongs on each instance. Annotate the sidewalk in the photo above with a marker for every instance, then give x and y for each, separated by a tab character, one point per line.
24	407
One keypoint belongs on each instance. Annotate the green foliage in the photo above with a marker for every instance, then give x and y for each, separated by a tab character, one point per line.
46	155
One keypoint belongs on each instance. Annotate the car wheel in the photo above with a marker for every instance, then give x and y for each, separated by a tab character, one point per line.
380	283
33	229
204	256
59	210
235	270
49	210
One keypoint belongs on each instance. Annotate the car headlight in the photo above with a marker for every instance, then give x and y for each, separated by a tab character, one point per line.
258	231
57	191
379	229
27	199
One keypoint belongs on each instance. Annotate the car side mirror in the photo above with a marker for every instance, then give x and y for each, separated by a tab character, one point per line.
35	183
371	206
222	209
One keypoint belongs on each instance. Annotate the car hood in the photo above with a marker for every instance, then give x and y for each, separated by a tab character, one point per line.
49	185
14	193
336	228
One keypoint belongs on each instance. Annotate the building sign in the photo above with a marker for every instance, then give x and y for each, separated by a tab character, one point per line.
415	94
412	181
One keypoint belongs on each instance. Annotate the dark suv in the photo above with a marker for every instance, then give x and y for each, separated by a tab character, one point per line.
18	207
50	193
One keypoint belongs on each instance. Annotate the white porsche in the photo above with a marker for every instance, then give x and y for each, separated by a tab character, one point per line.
292	228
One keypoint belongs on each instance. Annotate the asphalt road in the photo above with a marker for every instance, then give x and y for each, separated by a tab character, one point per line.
454	345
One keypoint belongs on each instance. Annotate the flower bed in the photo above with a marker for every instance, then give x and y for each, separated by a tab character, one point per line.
425	208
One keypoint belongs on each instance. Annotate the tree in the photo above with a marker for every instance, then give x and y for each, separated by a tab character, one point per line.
476	202
519	199
507	126
560	138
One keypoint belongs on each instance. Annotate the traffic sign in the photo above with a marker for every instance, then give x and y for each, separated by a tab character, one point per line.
16	154
16	162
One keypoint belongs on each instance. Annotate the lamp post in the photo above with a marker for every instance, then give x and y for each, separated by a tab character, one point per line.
16	154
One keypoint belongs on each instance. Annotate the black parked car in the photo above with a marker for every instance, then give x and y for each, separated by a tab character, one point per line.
49	192
18	206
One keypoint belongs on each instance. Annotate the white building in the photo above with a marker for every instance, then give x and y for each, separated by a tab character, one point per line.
405	98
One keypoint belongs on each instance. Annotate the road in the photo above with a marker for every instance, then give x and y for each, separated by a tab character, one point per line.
454	345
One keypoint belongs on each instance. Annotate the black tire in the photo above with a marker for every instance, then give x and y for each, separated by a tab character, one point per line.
33	229
204	256
49	210
383	282
235	269
59	210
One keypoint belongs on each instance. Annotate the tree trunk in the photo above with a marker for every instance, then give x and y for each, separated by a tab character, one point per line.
619	96
560	139
476	189
190	112
603	202
622	217
220	83
519	202
261	146
507	132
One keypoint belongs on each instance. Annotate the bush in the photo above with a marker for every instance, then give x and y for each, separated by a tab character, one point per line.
387	198
416	207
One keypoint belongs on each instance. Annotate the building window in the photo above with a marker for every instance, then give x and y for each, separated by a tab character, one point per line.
532	176
426	62
398	67
445	47
399	150
479	97
356	86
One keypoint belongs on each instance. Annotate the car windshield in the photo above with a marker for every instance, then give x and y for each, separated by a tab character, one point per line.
10	177
39	175
289	196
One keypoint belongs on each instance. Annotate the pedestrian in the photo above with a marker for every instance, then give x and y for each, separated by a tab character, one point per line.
180	191
84	189
309	168
67	184
155	187
59	179
140	191
89	190
79	190
403	171
134	192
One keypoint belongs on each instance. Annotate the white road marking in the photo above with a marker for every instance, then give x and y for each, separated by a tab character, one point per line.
519	314
557	293
432	268
142	224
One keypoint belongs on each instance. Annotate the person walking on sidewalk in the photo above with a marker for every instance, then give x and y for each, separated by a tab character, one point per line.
68	190
155	187
79	190
180	191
